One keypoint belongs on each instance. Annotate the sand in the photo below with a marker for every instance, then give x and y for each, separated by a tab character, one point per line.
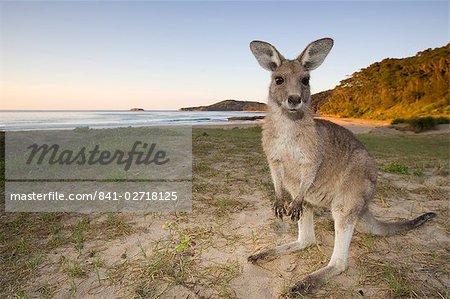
357	126
135	255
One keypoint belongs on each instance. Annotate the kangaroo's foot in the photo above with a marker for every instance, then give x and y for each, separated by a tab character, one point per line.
277	251
316	279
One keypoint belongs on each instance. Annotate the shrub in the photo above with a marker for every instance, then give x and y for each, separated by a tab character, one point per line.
398	121
420	124
442	120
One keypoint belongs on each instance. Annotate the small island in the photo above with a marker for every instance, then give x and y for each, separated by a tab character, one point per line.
136	109
230	105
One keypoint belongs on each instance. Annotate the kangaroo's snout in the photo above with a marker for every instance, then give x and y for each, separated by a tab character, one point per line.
294	100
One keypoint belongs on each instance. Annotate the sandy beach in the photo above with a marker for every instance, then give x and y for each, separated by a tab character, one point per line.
357	126
203	253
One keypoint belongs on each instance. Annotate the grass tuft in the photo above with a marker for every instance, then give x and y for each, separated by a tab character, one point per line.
396	168
397	281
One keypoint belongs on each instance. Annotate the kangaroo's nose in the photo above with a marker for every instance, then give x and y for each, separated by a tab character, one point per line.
294	100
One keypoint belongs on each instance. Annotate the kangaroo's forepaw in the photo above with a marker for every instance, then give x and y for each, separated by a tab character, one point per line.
295	209
278	207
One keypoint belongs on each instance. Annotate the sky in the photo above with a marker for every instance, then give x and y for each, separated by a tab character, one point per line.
86	55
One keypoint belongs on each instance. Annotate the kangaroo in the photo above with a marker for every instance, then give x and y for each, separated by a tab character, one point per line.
318	162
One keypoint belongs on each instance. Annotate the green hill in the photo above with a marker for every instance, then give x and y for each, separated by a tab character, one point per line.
229	105
395	88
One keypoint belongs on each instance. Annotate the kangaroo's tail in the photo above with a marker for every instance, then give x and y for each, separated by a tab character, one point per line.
370	224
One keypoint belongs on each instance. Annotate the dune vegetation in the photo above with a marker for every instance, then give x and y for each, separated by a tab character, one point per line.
395	88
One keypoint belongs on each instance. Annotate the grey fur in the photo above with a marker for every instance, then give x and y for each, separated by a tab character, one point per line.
316	52
266	55
318	162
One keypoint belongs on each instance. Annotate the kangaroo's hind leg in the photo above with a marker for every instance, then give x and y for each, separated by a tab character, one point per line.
306	237
344	225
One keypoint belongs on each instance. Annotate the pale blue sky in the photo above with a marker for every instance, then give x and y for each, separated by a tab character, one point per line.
166	55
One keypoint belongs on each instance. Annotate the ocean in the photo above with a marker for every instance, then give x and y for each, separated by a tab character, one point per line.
17	120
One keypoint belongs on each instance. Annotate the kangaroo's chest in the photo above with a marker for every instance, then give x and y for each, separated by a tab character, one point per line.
288	151
286	147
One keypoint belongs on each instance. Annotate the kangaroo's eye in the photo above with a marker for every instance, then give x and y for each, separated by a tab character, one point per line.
305	81
279	80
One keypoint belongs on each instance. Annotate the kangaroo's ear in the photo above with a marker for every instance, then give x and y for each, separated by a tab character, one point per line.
266	54
315	53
